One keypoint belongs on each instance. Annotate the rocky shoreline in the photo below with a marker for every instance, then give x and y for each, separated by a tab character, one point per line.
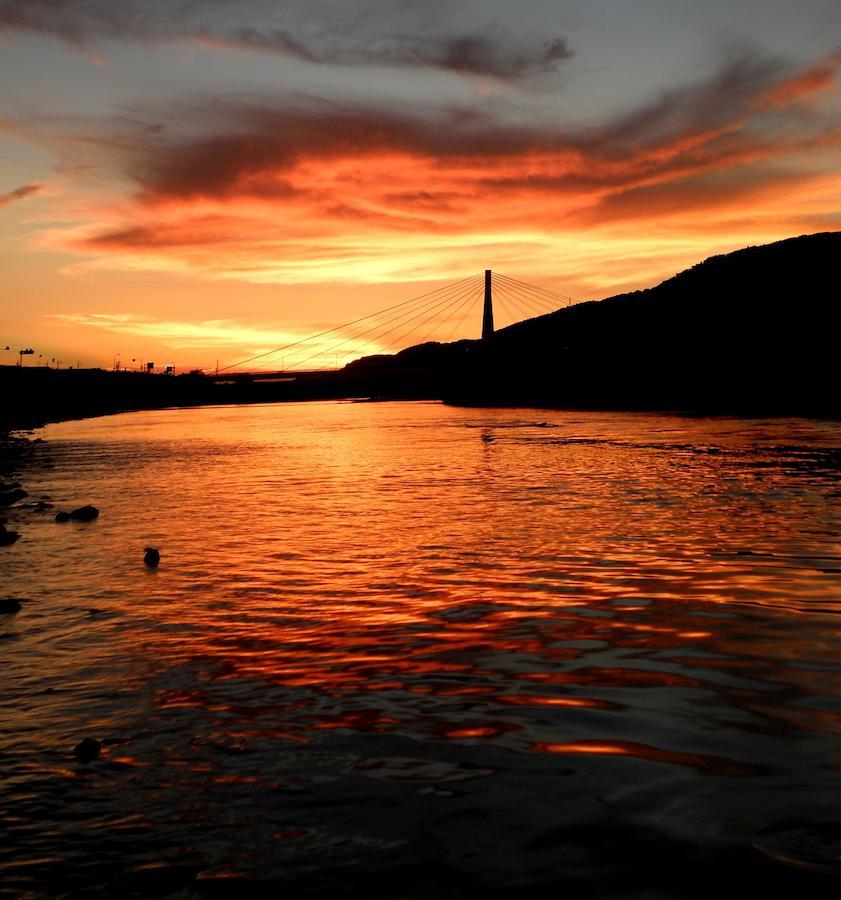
17	505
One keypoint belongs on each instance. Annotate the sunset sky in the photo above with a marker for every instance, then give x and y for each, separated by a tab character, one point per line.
193	181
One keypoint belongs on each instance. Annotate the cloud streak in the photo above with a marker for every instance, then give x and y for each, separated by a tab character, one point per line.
25	190
181	335
274	189
385	33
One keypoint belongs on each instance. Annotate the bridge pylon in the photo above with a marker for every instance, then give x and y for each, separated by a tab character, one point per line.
488	313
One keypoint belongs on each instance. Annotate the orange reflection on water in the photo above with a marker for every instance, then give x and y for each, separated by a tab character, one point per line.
485	731
709	765
359	720
613	678
538	700
382	568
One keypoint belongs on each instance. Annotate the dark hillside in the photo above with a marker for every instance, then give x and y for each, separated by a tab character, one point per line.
755	330
752	332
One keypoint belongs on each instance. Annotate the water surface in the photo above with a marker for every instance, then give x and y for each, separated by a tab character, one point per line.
406	650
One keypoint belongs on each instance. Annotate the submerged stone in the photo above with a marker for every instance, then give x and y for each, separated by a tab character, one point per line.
8	497
7	537
62	517
151	556
84	514
10	605
87	750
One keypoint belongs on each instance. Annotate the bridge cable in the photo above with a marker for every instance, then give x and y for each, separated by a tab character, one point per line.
524	312
513	316
535	288
433	305
442	314
339	327
402	309
530	308
525	307
426	305
539	300
471	304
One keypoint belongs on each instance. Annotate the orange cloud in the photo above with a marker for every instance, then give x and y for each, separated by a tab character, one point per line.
268	191
24	190
820	77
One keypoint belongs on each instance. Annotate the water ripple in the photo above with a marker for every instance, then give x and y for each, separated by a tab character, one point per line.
375	632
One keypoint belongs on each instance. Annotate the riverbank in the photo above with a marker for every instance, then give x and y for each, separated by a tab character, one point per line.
750	333
35	396
15	500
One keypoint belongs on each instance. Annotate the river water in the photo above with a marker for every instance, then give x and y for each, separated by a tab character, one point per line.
410	651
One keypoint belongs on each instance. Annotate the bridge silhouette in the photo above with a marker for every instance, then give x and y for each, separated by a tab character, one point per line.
437	315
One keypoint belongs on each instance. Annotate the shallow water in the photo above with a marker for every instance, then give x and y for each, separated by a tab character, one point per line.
406	650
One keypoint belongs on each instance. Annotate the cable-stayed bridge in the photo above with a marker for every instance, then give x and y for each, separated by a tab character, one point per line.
437	315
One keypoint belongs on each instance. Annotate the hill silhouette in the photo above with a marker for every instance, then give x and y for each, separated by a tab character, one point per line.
756	330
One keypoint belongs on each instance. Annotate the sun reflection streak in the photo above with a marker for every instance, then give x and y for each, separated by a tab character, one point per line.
708	765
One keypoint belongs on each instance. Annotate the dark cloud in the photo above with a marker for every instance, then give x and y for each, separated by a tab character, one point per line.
729	93
386	33
205	232
264	141
25	190
252	148
484	55
698	193
269	168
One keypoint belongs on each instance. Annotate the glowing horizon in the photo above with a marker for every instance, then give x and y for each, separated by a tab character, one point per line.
235	216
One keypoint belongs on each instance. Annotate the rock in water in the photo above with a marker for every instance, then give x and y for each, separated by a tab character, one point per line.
10	605
7	537
11	495
151	557
87	750
62	517
84	514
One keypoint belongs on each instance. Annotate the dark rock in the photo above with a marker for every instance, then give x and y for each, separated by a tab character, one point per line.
87	750
151	557
8	497
62	517
7	537
84	514
10	605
